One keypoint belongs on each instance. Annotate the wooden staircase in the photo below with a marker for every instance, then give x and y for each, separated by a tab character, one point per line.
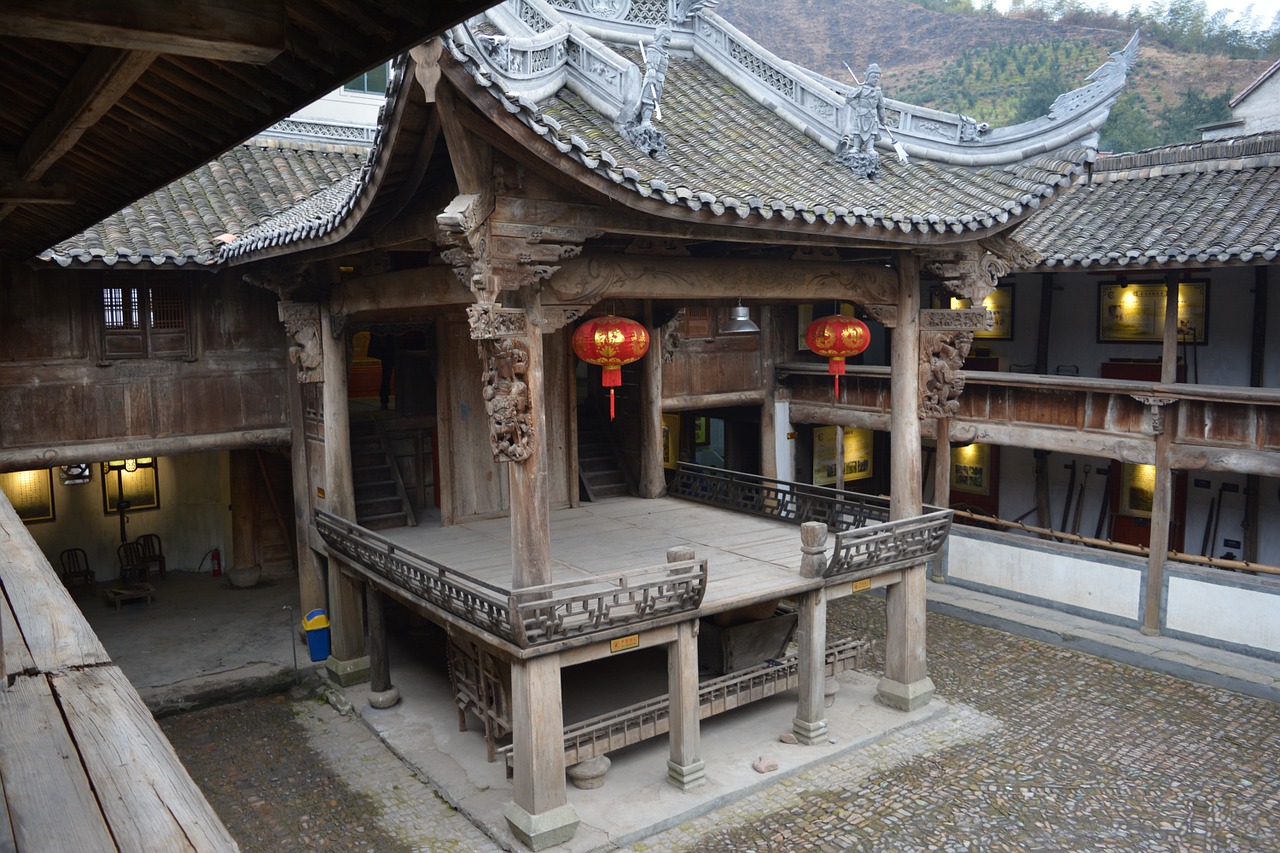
600	469
381	501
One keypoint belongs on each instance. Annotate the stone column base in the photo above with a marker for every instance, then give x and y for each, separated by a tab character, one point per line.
540	831
809	732
347	672
384	698
686	777
905	697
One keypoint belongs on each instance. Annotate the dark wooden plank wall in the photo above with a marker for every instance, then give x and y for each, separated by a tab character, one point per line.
54	381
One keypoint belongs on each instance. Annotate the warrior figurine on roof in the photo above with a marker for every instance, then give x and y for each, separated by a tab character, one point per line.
643	105
860	123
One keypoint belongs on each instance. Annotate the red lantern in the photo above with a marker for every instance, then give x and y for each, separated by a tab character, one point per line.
837	337
611	342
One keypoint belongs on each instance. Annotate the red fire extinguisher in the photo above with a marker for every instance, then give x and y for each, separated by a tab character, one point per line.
217	563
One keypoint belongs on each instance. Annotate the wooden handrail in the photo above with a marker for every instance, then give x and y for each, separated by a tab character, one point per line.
1120	547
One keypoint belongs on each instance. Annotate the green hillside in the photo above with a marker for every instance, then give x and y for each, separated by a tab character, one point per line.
1005	69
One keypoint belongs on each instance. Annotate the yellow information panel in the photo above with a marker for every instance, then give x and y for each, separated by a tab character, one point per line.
624	644
971	469
858	446
1135	312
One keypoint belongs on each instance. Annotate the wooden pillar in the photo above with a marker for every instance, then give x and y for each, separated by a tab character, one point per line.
1162	499
311	586
653	482
769	408
685	767
539	814
941	479
382	694
347	663
810	722
530	492
242	503
906	684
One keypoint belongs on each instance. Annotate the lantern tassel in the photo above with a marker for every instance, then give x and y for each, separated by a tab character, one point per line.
610	404
837	377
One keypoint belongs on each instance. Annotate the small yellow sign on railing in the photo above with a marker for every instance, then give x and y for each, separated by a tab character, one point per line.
623	644
862	585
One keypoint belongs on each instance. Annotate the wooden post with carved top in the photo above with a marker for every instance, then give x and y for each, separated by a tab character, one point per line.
906	684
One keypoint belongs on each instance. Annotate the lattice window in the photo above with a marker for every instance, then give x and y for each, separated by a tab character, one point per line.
763	71
651	12
144	322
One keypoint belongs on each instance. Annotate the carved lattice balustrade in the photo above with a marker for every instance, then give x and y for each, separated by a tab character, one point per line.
472	600
652	718
880	548
529	616
773	498
566	609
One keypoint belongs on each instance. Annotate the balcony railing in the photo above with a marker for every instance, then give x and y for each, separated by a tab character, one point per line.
530	616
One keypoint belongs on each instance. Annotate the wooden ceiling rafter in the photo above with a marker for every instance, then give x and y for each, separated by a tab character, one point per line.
250	31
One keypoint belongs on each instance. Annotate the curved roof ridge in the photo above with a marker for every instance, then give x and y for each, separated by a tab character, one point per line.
1205	151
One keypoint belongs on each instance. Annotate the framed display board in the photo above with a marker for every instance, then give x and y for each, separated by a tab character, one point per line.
858	447
1133	312
30	493
141	488
670	441
971	469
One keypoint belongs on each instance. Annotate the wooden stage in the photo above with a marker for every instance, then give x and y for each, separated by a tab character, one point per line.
749	558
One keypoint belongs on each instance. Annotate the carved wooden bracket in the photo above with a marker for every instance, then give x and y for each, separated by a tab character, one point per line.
972	270
669	336
942	355
506	398
302	324
960	319
885	315
491	322
490	257
1157	405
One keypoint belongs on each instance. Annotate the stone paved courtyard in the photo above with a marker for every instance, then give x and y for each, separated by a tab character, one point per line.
1058	751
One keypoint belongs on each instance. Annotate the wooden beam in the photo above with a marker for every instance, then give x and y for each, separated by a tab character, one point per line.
251	31
16	191
100	82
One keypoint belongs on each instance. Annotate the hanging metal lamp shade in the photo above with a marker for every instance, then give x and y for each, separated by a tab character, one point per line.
740	321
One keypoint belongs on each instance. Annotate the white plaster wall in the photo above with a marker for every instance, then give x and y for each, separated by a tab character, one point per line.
1102	588
783	446
1261	110
1243	616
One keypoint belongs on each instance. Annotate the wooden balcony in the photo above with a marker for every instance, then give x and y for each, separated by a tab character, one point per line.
1212	427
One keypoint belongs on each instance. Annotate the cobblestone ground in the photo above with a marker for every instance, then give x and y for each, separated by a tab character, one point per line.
294	775
1043	749
1089	755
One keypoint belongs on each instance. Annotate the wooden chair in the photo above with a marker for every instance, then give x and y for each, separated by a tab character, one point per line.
76	574
152	553
133	567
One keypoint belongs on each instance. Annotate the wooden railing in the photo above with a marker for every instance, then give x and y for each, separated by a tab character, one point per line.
530	616
652	718
880	548
773	498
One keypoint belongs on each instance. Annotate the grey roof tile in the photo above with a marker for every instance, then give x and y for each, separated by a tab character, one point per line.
1216	201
